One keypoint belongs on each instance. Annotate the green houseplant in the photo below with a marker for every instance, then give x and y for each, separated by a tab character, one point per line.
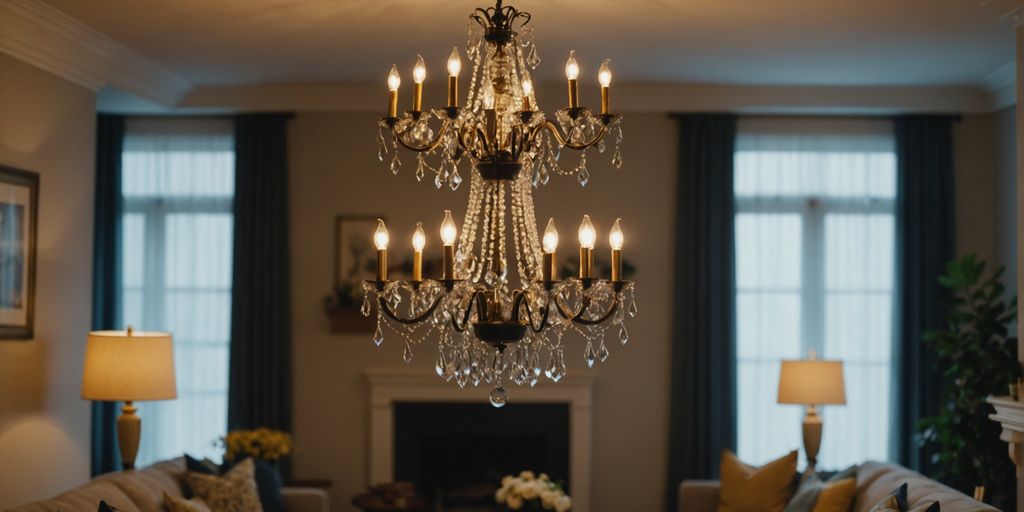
978	359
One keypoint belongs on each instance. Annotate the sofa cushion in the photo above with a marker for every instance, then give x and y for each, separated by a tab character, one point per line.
146	487
895	501
836	496
764	489
875	480
84	499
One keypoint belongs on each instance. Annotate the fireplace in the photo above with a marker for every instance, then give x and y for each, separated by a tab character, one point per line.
457	453
555	417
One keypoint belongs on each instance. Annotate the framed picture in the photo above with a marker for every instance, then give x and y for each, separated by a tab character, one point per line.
355	257
19	197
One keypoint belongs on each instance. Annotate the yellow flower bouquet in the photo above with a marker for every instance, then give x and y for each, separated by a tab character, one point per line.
261	443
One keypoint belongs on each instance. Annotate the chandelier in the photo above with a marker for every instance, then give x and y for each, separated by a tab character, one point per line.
487	329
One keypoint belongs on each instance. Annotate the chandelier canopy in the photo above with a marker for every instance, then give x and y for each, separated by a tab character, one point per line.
486	328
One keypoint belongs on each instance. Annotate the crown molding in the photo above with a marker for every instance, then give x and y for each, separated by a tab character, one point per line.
625	97
1001	85
38	34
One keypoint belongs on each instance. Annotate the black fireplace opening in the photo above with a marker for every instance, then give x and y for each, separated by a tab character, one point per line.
457	453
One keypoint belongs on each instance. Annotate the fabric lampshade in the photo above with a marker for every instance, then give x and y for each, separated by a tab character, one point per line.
129	366
811	382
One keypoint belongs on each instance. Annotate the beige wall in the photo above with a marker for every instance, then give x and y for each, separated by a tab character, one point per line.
48	126
334	169
985	177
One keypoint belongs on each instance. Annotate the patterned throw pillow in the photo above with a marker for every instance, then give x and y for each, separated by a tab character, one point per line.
175	504
895	502
234	492
931	506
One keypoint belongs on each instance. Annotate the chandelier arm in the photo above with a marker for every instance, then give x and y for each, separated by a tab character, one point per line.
568	314
562	141
426	147
409	321
475	297
604	318
543	320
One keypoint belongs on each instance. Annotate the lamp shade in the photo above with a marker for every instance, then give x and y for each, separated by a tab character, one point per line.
811	382
129	366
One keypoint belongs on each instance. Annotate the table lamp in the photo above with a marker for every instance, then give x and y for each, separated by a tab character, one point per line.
128	366
812	383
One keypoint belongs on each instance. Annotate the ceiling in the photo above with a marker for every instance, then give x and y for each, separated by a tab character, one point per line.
778	42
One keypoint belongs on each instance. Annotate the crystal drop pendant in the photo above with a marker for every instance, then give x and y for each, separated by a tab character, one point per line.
438	182
365	309
491	278
407	354
499	397
533	59
617	158
600	146
632	308
623	335
396	164
589	356
455	180
583	176
420	171
603	353
378	336
439	365
382	153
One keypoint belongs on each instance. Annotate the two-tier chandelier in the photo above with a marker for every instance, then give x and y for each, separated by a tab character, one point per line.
485	328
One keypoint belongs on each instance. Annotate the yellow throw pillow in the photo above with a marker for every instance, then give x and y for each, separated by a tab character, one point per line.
748	489
836	496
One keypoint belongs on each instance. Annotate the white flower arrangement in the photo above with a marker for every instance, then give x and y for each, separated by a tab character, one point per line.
530	492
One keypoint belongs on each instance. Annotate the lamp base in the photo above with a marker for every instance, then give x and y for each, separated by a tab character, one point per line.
812	427
129	429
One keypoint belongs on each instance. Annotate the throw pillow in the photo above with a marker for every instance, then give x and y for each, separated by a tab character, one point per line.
234	492
836	496
812	484
748	489
269	484
931	506
175	504
205	466
897	501
107	508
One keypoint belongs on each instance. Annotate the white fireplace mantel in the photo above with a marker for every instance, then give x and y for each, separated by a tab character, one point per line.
402	384
1010	414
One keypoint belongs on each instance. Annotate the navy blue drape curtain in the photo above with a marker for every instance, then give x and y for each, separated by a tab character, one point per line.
106	275
260	384
702	416
925	228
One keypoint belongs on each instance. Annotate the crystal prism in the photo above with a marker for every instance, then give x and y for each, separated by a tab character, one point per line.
396	164
589	356
378	336
603	353
617	158
407	354
623	335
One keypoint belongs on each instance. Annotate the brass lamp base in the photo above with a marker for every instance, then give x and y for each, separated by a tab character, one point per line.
812	427
129	429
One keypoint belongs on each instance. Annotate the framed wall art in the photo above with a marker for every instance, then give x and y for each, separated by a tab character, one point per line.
19	197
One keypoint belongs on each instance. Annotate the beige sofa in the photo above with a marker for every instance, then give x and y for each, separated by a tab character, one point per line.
875	480
142	491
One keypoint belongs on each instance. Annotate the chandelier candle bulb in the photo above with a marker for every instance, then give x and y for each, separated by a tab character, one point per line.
604	75
615	239
448	234
527	91
550	242
572	72
587	236
381	239
419	73
393	82
419	240
454	66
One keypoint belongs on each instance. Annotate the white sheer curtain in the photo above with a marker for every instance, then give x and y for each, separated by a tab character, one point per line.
178	185
815	256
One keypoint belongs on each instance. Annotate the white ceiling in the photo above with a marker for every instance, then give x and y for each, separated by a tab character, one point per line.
807	42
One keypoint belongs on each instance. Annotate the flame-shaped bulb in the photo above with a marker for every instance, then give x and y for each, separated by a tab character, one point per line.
381	237
604	75
572	68
587	233
419	71
419	238
615	236
448	229
527	87
550	240
393	79
454	62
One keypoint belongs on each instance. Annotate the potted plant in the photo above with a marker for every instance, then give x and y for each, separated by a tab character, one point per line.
978	359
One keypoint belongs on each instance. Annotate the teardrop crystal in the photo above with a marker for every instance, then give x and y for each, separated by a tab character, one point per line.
623	335
589	356
438	181
420	171
603	353
396	164
632	308
617	158
407	354
378	336
365	309
439	365
455	180
583	176
499	397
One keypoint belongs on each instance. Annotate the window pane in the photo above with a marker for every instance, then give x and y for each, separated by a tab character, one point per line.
178	182
767	326
767	251
859	252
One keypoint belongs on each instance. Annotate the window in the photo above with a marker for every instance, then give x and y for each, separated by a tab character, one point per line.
178	185
815	260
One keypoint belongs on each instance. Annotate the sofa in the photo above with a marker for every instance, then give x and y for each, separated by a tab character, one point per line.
143	490
875	480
